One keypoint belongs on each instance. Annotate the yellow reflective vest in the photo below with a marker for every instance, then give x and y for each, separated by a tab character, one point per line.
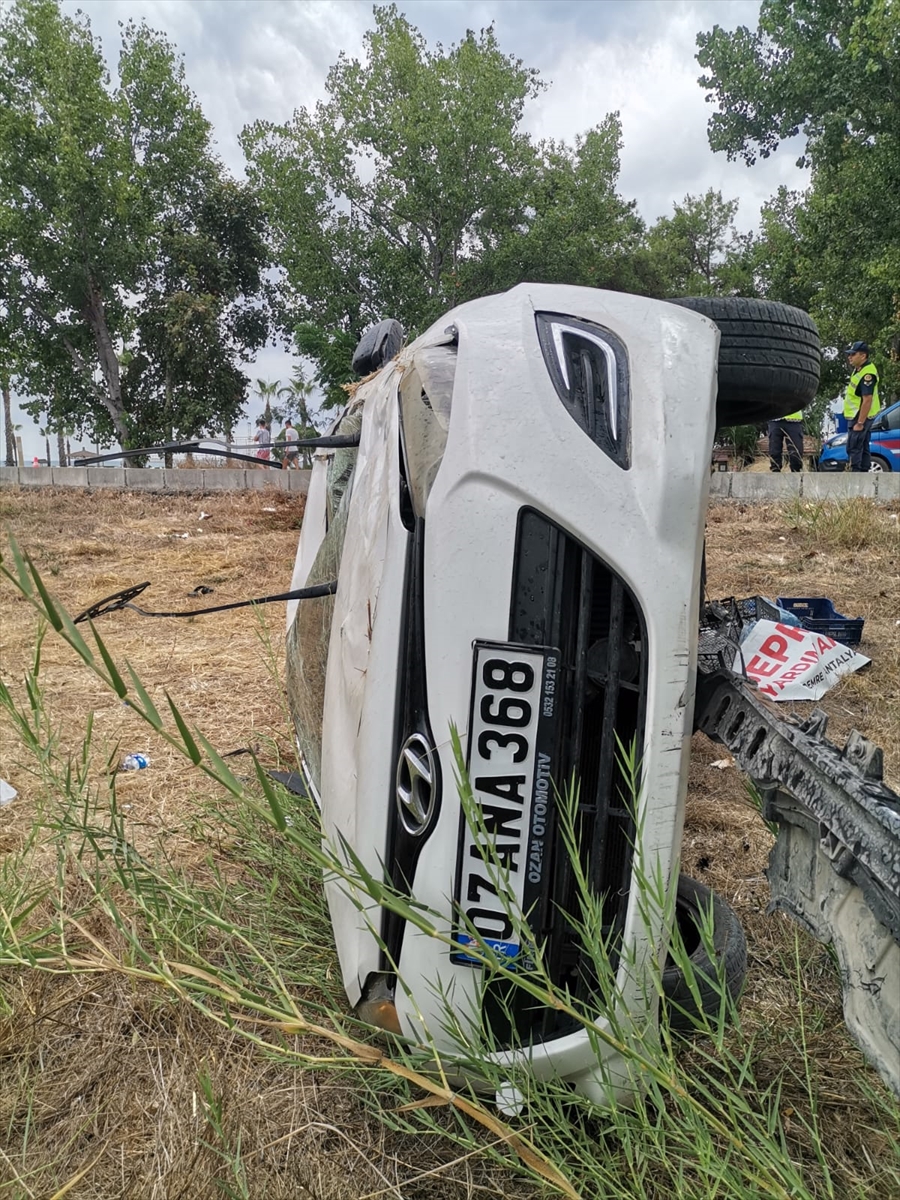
869	372
797	416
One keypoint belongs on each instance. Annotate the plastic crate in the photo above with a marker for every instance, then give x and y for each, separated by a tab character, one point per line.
754	608
818	614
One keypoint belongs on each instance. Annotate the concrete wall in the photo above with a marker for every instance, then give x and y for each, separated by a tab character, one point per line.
176	479
747	486
760	486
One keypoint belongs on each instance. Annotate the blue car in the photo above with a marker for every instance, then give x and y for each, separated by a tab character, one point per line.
884	445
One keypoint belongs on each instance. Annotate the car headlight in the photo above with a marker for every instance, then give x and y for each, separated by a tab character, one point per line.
840	440
589	368
426	395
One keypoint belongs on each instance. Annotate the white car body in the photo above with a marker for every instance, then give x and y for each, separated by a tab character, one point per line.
513	447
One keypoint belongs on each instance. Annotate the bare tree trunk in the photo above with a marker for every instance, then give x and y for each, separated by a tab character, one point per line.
61	448
7	422
47	448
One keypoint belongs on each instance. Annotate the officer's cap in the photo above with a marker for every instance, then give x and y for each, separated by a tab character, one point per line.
857	348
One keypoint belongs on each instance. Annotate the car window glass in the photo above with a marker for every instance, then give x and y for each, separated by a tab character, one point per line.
892	419
436	367
426	397
310	633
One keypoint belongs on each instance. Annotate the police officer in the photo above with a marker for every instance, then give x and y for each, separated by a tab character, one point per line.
790	427
861	405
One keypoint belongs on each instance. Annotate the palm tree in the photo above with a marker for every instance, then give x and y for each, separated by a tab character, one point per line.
297	395
44	431
267	391
8	427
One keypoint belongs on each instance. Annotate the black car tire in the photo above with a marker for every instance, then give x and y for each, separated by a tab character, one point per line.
692	900
879	463
769	357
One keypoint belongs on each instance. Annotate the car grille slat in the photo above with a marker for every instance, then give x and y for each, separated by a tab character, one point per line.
608	746
565	596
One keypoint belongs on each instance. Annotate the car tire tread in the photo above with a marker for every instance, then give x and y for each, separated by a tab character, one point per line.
769	357
729	947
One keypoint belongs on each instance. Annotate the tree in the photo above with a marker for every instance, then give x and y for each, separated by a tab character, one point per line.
575	227
413	186
294	402
294	405
698	252
7	419
829	71
779	257
198	321
44	431
444	163
95	179
267	391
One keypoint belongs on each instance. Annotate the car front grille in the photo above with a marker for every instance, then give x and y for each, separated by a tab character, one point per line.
566	597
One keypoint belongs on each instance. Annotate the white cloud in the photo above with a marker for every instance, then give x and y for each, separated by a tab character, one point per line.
652	82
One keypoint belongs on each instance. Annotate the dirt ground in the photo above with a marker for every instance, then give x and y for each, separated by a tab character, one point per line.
129	1068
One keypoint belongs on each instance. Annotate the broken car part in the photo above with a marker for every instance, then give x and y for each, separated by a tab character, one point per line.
835	866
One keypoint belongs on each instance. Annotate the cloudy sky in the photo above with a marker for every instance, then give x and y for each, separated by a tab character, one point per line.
250	59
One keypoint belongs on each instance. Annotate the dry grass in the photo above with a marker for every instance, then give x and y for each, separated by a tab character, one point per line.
98	1072
848	552
96	1068
794	550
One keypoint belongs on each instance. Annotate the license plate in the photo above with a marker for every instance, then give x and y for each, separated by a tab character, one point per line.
510	752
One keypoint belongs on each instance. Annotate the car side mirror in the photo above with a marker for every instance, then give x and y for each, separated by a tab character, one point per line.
377	346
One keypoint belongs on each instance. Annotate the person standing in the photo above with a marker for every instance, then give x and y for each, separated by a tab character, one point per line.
264	440
861	405
790	428
291	452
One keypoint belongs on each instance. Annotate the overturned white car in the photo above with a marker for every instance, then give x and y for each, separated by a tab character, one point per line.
517	542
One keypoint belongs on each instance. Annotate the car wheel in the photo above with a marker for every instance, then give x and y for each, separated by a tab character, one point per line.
692	902
879	464
769	357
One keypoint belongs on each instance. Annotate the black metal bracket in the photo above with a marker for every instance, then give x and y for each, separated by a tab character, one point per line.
120	600
336	442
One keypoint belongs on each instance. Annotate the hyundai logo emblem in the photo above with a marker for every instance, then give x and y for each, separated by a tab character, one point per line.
415	785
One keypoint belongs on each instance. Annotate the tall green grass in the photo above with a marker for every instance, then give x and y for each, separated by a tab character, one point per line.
854	524
258	961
